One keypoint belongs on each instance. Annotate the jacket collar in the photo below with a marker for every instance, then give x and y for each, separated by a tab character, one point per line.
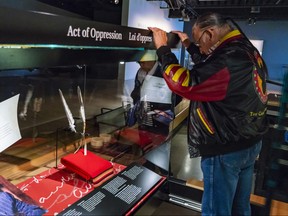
233	35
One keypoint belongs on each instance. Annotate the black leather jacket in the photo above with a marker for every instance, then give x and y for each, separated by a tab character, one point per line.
227	90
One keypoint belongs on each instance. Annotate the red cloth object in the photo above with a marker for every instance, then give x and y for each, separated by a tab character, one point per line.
57	188
87	166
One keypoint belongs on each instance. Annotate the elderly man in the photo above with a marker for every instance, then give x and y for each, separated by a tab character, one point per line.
227	93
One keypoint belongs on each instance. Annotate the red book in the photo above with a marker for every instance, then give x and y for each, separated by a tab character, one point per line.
103	175
87	166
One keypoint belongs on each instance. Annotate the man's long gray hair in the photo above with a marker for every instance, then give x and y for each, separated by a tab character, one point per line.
212	19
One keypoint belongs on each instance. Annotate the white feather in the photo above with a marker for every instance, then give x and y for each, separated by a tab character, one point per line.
69	115
82	115
82	109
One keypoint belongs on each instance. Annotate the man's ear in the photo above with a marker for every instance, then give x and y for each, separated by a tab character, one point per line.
211	33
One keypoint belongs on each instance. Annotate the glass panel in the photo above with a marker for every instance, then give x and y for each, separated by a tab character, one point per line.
44	126
40	114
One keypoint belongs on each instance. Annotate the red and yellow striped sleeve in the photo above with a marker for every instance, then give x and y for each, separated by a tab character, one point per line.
179	80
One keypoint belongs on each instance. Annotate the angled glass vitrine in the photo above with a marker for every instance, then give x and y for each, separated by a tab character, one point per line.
42	54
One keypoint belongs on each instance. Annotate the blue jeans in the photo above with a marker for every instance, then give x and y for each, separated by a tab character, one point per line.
228	182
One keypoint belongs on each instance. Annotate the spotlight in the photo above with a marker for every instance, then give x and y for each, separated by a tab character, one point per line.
114	1
185	17
251	21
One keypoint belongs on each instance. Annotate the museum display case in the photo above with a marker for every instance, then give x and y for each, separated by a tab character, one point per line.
46	60
42	53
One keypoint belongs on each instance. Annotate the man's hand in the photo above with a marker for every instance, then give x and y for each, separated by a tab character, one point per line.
159	36
183	37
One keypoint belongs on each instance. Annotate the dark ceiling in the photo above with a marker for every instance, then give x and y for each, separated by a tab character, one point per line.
237	9
110	10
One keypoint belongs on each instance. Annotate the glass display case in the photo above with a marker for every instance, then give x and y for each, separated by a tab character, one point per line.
42	54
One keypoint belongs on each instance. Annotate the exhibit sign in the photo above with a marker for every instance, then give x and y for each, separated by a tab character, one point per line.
120	195
9	128
29	30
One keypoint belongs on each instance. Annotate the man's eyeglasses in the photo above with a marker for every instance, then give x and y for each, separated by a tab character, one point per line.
197	43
